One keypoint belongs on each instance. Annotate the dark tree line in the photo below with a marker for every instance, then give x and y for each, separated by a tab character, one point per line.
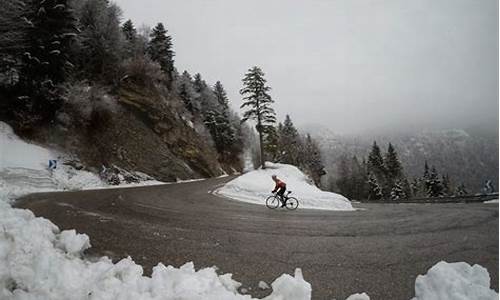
381	176
49	48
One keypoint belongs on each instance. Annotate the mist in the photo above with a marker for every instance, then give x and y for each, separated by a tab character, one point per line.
351	66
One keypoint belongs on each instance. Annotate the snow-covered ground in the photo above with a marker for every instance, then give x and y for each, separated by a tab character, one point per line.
255	186
492	201
38	261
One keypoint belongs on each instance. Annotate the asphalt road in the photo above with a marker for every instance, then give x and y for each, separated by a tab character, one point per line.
379	249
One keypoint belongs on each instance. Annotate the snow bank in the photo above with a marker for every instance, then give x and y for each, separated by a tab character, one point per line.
454	281
491	201
255	186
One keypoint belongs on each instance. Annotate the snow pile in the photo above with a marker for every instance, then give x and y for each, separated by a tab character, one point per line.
454	281
255	186
494	201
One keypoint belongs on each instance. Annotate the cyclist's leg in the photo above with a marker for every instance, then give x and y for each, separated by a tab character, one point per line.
281	193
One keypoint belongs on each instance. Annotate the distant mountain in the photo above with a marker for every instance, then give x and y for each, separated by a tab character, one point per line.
467	156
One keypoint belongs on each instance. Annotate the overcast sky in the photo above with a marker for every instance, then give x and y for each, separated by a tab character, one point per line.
351	65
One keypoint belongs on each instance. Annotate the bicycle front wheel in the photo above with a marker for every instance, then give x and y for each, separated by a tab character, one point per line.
272	202
292	203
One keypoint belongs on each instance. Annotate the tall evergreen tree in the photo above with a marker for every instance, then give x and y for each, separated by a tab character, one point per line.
221	95
289	142
397	191
258	102
374	188
101	38
393	166
53	31
376	162
129	31
160	50
46	60
435	188
310	157
271	143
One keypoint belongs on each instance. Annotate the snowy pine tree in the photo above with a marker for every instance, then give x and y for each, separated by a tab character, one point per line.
376	162
129	31
397	191
257	101
289	142
374	189
160	50
435	187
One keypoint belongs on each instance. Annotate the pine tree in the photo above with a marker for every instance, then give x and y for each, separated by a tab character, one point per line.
46	60
435	188
376	162
258	102
393	167
375	191
397	191
160	50
271	143
187	93
221	95
102	48
129	31
198	83
311	159
53	32
289	142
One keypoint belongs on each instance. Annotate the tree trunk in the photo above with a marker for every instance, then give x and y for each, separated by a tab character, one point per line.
261	142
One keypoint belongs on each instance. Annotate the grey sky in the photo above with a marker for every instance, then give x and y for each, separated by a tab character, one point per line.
351	65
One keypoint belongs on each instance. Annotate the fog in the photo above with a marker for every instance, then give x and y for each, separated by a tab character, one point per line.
349	65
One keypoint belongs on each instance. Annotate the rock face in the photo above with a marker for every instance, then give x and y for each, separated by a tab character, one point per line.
145	131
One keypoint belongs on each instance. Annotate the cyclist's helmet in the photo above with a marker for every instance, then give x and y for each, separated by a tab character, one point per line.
274	177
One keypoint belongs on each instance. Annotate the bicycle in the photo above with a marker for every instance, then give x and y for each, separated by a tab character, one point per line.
274	201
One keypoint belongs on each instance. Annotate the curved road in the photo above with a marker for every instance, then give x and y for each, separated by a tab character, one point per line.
379	249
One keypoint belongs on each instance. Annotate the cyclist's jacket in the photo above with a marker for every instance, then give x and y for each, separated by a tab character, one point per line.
279	184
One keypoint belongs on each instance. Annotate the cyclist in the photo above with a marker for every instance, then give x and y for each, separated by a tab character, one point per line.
280	188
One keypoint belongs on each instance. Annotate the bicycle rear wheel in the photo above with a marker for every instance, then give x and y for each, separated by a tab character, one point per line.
272	202
292	203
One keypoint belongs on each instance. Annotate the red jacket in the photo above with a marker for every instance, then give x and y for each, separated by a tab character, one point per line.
279	184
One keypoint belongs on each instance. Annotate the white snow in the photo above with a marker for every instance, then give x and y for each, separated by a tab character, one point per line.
454	281
492	201
362	296
263	285
255	186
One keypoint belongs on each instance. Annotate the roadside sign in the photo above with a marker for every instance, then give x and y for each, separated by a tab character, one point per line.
52	164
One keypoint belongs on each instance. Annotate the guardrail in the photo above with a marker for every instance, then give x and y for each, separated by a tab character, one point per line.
446	199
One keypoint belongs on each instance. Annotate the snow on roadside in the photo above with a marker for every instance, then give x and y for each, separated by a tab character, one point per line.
255	186
454	281
491	201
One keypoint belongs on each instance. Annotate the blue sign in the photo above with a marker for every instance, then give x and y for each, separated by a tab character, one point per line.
52	164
